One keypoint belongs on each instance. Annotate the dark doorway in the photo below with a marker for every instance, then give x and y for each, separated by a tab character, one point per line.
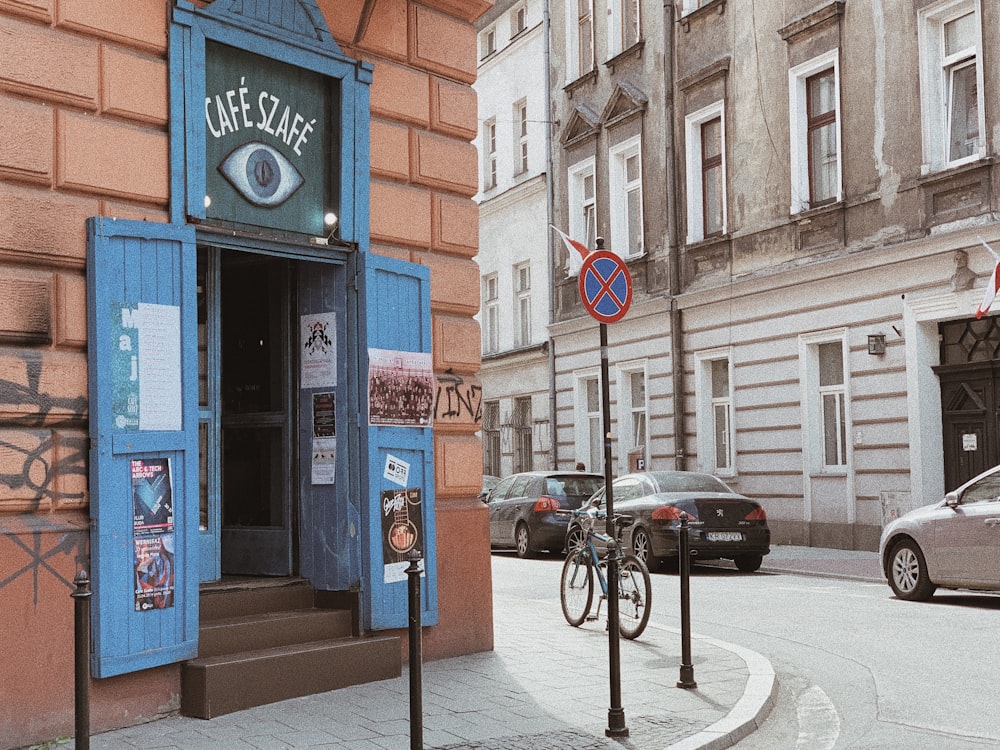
256	415
970	397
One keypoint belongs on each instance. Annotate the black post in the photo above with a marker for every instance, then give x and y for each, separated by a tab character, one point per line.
616	714
81	654
416	655
687	668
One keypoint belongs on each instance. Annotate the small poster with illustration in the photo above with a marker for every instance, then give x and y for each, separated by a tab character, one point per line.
152	500
402	530
319	350
154	571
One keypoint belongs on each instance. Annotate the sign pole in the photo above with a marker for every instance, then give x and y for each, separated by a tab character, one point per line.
616	713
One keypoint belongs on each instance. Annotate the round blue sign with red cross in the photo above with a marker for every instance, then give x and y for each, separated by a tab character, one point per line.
605	286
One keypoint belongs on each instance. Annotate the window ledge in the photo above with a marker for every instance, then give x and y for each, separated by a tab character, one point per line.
588	77
808	214
945	173
719	6
634	51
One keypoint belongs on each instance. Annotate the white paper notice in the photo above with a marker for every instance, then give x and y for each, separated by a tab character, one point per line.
319	350
324	460
397	470
160	405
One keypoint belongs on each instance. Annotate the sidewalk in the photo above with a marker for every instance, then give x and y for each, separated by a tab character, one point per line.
544	687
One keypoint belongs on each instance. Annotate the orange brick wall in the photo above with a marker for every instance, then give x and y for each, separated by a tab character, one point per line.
85	85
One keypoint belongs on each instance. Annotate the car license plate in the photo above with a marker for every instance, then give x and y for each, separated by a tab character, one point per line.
724	536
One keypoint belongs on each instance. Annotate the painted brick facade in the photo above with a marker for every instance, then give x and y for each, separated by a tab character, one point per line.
87	86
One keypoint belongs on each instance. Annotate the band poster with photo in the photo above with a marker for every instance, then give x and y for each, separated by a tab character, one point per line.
152	533
402	530
400	388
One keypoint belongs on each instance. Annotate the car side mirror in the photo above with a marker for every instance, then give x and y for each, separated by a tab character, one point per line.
951	500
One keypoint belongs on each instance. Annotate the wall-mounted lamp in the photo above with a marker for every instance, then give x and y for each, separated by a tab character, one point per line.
208	201
876	343
331	222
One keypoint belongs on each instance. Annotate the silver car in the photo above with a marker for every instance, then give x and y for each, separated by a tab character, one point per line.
952	544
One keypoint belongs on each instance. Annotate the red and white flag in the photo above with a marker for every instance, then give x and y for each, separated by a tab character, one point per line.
572	244
992	285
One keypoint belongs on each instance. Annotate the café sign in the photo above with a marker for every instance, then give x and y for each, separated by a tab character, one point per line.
268	142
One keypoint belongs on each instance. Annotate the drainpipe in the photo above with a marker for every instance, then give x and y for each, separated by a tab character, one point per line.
673	245
549	199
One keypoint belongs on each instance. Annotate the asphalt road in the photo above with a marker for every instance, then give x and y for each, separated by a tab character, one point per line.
857	668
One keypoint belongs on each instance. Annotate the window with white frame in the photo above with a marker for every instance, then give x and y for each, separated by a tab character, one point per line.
714	410
635	412
624	20
487	42
582	196
489	154
826	422
491	314
522	434
814	105
522	304
589	433
691	5
951	78
521	137
518	20
625	171
579	38
706	172
491	438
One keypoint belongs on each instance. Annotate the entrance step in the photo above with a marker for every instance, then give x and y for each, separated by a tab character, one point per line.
265	641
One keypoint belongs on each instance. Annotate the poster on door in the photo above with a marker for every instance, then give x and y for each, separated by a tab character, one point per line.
154	572
318	350
400	388
152	533
324	438
402	530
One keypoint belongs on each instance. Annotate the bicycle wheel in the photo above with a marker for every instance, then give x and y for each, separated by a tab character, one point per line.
576	587
635	593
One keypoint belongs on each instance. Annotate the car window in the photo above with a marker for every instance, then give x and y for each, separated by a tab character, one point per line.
572	486
689	482
520	487
986	490
503	487
627	488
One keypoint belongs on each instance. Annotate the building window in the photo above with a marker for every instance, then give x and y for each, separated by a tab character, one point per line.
489	154
626	199
521	136
582	210
491	315
832	407
693	5
491	438
633	426
518	20
589	419
951	79
580	39
487	42
624	25
522	304
706	173
826	422
522	434
814	104
714	398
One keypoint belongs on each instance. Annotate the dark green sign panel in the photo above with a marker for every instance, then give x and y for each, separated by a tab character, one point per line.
269	134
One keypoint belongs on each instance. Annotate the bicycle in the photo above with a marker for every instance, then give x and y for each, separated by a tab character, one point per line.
576	588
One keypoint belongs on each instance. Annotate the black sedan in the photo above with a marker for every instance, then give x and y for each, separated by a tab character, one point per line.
522	508
723	524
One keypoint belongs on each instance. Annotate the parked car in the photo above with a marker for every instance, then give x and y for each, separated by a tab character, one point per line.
723	523
522	508
953	543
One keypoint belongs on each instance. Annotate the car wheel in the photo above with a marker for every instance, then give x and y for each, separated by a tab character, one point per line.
522	540
907	572
575	539
642	548
748	563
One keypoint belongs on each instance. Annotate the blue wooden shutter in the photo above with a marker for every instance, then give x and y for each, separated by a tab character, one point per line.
397	305
131	263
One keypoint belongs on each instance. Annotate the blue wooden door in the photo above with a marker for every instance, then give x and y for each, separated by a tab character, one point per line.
399	486
142	369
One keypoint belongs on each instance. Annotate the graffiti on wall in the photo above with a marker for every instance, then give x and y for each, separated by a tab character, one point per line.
458	400
29	473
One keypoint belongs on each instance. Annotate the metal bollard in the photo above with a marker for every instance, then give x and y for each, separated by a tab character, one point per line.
416	656
81	654
687	668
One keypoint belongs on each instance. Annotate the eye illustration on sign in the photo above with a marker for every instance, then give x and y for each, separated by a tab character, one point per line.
261	174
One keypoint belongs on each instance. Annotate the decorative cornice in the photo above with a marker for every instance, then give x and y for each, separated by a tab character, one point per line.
808	23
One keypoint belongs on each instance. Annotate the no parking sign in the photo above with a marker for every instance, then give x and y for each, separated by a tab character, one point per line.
605	286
